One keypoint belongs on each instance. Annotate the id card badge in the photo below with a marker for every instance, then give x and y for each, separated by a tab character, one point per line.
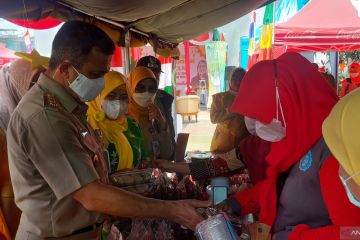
156	148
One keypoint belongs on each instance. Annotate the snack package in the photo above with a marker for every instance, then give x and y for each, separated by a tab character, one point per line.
131	178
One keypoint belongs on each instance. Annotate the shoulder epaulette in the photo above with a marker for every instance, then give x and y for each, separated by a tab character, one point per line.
50	101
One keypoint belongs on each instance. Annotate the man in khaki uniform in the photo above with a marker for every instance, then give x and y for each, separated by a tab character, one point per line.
56	164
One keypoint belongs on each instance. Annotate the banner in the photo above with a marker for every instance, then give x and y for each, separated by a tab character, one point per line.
198	69
216	61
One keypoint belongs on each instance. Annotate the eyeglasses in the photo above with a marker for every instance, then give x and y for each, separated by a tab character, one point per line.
117	96
142	88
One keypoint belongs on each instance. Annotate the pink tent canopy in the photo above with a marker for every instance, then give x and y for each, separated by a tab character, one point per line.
322	25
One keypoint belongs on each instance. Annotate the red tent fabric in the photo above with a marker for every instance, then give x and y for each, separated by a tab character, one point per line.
6	55
322	25
41	24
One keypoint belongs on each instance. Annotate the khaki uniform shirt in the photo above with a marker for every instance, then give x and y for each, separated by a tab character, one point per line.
52	153
159	144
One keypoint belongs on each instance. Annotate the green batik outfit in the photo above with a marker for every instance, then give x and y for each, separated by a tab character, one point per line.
136	140
137	143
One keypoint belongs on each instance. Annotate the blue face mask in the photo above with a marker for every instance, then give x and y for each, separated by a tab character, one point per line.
351	197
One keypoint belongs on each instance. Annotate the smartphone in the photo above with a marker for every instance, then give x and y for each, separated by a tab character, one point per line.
219	194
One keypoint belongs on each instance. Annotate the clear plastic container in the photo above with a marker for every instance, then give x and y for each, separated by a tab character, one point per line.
217	227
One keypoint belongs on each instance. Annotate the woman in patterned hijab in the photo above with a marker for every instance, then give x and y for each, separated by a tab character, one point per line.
16	79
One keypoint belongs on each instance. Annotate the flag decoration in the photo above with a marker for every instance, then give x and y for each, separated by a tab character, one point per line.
116	60
27	40
165	81
166	78
251	49
202	39
135	53
266	37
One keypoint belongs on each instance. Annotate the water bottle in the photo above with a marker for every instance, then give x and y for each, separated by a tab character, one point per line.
216	227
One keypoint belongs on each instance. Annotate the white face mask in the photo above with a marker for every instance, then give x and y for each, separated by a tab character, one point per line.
274	131
144	99
114	108
350	195
87	89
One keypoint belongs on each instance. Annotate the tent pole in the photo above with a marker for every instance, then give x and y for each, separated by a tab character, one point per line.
187	66
337	72
126	54
173	111
126	60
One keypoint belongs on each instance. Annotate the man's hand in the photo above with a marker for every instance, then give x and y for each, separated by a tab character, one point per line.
155	113
184	212
99	197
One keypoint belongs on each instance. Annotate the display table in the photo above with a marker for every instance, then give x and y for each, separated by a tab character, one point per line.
166	186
